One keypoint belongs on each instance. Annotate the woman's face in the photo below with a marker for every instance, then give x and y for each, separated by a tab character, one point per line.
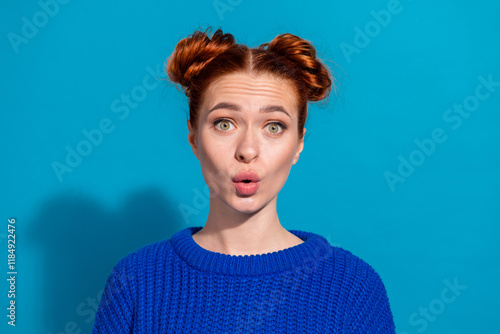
247	123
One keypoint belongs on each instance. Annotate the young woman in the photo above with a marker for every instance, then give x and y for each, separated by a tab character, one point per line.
243	272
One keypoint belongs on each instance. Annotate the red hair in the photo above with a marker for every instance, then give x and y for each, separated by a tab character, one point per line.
199	59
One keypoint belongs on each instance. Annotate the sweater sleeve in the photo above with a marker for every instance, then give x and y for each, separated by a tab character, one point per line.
371	312
116	308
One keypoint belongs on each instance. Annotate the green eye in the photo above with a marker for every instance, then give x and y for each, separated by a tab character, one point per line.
224	125
274	128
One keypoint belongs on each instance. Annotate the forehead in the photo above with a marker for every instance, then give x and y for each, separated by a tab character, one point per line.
251	90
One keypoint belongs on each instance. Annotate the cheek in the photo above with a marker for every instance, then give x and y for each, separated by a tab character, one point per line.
282	152
214	152
279	160
214	160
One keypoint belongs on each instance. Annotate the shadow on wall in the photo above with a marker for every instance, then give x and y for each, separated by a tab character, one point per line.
80	242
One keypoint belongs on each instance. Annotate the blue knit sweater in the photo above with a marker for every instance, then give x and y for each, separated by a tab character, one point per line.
176	286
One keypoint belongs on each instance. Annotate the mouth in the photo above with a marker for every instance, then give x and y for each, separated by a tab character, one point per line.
246	187
246	183
246	177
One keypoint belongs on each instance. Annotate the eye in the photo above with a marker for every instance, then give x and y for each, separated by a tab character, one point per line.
224	125
275	126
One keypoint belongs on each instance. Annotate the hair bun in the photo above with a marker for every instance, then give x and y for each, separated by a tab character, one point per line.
193	53
302	53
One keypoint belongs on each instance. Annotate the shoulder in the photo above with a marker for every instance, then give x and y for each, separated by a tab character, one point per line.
361	274
363	293
358	293
145	256
343	267
134	269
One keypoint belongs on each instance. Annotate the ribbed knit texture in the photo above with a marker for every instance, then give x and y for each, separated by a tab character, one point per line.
176	286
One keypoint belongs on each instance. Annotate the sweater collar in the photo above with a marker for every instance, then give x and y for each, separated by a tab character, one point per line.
312	249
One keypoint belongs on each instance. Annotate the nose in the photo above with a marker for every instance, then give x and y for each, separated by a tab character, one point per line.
248	146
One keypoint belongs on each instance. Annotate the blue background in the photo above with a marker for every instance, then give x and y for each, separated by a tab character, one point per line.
438	224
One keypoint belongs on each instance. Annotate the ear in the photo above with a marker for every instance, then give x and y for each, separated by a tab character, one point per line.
299	149
192	139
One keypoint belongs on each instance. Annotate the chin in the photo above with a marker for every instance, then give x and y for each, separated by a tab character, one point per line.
246	205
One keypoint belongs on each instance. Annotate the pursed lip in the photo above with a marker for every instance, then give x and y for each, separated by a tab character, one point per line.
246	175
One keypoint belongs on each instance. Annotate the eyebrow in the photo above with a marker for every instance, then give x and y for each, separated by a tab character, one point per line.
236	107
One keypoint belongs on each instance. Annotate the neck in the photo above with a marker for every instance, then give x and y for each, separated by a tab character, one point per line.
232	232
